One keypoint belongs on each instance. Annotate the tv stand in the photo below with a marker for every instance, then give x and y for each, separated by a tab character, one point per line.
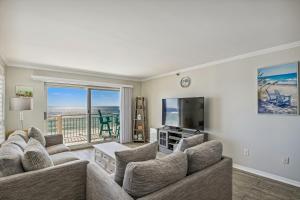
169	138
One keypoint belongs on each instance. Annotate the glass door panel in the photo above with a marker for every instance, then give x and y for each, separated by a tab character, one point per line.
105	111
67	113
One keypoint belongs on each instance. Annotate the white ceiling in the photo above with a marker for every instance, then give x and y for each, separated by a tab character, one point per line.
141	38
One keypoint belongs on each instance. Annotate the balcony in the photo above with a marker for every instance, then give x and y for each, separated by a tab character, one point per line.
75	128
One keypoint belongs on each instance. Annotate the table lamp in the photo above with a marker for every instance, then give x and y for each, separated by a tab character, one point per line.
21	104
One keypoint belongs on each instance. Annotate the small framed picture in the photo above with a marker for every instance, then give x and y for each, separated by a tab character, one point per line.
24	91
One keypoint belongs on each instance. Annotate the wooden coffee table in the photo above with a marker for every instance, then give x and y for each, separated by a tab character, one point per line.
105	155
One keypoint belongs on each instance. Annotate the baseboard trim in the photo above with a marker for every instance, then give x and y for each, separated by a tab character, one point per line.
267	175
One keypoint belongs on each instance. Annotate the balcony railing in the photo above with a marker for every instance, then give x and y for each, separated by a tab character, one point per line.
75	128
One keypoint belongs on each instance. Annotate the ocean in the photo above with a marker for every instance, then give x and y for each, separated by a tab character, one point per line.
282	79
53	110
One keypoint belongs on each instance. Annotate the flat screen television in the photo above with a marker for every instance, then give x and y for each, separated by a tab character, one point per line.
186	113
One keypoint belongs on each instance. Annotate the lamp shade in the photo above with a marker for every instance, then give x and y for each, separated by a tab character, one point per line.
21	103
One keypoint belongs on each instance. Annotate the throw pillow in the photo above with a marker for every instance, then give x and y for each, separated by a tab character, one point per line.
143	153
37	134
17	140
186	143
35	156
203	155
11	148
142	178
10	160
23	134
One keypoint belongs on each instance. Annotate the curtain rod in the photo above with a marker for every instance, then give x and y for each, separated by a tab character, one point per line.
48	79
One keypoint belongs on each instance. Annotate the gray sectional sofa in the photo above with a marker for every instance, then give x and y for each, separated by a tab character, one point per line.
212	183
196	172
46	183
12	149
73	179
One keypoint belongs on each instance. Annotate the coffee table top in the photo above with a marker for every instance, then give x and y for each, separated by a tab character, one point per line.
110	148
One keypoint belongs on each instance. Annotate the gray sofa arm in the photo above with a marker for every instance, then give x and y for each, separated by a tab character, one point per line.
52	140
65	181
100	186
212	183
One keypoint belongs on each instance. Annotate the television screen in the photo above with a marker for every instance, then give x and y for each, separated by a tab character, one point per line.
183	112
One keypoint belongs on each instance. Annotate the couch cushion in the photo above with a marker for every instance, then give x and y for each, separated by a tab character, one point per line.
142	178
203	155
11	148
10	159
143	153
35	156
186	143
37	134
63	157
55	139
17	140
57	149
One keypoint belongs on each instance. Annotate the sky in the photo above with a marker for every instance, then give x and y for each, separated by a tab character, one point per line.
279	69
77	97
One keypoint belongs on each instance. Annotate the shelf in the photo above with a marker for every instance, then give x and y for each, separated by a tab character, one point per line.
138	140
173	143
174	138
140	111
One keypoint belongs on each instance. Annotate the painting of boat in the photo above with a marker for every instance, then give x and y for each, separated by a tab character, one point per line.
278	89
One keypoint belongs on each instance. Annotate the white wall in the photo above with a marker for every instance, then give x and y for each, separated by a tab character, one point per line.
19	76
231	112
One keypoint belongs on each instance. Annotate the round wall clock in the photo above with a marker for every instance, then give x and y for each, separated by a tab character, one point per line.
185	82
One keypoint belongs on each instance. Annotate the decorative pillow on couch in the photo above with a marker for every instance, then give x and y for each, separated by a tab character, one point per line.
17	140
203	155
21	133
35	156
37	134
143	153
186	143
10	159
142	178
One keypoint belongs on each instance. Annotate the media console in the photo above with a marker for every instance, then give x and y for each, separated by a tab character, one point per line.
169	138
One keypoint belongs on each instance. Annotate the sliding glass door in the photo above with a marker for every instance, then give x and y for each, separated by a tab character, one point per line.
67	113
82	114
105	110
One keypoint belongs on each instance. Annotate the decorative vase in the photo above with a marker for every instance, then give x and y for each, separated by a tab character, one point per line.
139	116
140	137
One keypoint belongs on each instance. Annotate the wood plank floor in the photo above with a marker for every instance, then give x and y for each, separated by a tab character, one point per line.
246	186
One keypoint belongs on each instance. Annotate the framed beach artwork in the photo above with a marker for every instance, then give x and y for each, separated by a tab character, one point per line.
278	89
24	91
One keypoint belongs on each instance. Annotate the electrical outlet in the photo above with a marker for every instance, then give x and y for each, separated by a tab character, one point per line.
246	152
286	161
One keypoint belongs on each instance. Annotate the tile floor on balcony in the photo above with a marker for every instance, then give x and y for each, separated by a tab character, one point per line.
77	139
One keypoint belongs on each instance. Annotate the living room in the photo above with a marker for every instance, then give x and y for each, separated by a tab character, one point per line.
96	82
